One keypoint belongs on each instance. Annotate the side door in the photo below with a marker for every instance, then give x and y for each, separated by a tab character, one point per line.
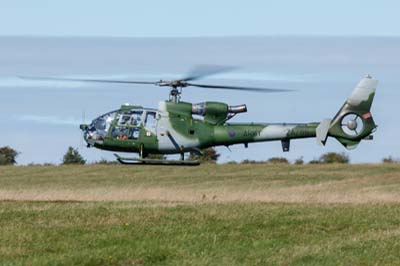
150	121
148	135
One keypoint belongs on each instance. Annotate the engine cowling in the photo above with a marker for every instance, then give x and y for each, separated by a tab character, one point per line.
217	112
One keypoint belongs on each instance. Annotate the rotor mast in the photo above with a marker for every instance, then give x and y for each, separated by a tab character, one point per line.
175	94
176	88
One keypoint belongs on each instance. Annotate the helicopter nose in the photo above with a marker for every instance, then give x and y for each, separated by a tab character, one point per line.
86	135
88	138
84	127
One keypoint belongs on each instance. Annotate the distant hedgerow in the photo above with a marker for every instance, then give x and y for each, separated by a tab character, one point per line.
278	160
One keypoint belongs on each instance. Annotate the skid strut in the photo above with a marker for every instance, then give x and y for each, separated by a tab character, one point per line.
125	160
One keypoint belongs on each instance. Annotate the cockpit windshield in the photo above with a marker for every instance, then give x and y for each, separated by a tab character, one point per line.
101	125
126	126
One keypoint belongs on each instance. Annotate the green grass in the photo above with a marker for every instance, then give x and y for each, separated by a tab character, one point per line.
317	228
134	233
197	177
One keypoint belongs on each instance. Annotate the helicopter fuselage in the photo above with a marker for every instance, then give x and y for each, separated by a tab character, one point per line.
178	127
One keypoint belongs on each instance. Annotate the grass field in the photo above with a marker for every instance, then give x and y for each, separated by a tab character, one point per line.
209	215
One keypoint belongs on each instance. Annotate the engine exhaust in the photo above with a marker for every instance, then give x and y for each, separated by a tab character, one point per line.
237	109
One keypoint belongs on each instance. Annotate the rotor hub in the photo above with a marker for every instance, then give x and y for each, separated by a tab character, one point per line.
352	124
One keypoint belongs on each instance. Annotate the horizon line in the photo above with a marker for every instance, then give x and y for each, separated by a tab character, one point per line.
327	36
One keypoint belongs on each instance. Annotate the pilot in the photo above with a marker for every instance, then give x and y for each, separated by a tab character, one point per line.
135	119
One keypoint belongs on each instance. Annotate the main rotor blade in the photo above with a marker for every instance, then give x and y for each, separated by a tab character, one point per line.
206	70
255	89
90	80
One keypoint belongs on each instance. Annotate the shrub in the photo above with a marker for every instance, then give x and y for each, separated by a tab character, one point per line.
209	155
72	156
333	157
314	161
389	159
299	161
278	160
8	156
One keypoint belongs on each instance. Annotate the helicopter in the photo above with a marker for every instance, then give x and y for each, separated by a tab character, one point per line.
178	127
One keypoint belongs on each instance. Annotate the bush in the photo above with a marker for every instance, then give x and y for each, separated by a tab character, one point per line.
278	160
209	155
299	161
389	159
8	156
333	157
72	156
314	161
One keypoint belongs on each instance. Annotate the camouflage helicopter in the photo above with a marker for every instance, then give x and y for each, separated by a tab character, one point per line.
177	127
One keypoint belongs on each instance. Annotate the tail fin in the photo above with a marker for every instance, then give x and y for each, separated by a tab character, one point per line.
354	120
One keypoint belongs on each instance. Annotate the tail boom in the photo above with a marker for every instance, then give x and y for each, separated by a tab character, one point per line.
247	133
350	125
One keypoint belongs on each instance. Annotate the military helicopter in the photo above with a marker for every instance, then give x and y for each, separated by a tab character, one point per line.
177	127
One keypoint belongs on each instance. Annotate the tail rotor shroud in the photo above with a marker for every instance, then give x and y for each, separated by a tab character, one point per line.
352	124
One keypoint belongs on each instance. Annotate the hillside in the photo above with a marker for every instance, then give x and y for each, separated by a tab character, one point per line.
220	183
209	215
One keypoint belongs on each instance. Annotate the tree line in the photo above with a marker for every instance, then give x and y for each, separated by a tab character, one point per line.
72	156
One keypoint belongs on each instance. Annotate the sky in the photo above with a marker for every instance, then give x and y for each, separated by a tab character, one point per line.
178	18
317	48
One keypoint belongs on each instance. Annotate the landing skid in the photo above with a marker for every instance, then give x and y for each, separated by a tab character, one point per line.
125	160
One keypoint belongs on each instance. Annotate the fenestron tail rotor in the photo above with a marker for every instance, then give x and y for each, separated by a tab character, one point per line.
175	85
352	124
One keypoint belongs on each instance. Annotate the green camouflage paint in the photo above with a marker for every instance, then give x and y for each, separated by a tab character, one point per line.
177	130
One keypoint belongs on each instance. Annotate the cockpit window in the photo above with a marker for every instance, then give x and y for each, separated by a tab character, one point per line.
130	118
100	126
124	133
128	125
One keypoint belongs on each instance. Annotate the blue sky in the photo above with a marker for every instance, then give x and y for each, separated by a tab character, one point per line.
173	18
